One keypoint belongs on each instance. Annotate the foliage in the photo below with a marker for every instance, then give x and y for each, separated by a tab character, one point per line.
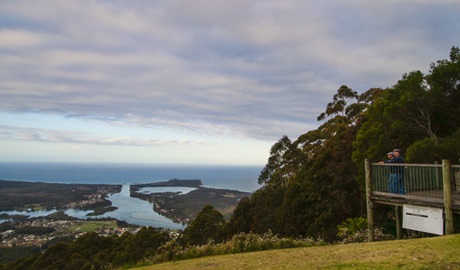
362	236
14	253
149	245
241	242
429	151
207	226
418	113
351	226
92	251
354	230
308	183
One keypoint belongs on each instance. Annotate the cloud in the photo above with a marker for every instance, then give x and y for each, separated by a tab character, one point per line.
249	69
78	137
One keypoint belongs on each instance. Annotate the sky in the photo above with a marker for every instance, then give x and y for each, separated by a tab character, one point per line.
196	82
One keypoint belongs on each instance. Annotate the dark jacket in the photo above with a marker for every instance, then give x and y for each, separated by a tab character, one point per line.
396	169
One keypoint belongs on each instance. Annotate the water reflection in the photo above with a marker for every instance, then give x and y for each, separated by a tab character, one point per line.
137	211
77	213
29	214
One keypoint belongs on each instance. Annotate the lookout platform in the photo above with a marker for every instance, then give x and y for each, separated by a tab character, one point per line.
428	185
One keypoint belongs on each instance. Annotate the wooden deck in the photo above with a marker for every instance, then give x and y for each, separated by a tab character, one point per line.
425	198
426	185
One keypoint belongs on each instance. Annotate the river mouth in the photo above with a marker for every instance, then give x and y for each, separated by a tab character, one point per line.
131	210
137	211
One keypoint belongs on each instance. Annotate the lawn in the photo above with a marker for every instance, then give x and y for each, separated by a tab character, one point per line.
441	252
91	226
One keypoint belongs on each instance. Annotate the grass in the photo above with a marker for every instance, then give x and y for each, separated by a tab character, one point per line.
441	252
91	226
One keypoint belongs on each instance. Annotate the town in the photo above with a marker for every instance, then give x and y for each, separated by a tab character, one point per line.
44	230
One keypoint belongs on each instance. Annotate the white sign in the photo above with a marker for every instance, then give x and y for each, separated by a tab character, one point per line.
423	219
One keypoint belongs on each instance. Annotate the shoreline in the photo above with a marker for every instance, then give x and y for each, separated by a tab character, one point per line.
179	208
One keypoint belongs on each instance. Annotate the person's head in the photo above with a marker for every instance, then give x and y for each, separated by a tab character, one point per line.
397	152
390	155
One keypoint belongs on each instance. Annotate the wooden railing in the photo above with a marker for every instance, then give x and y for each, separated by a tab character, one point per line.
434	185
419	179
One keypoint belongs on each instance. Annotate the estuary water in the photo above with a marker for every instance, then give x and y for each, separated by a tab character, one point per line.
133	210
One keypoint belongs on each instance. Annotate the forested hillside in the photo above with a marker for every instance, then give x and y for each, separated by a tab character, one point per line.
314	183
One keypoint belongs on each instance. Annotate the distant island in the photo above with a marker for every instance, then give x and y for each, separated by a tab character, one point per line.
173	183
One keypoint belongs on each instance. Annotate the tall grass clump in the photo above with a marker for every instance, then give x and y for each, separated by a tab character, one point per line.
242	242
354	230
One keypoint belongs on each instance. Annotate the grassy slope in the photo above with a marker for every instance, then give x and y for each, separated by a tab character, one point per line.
427	253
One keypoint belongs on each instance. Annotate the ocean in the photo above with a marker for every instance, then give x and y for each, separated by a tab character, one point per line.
242	178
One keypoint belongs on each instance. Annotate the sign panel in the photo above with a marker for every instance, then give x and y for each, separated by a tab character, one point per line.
423	219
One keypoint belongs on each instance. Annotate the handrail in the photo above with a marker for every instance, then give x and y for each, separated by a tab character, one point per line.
412	164
418	179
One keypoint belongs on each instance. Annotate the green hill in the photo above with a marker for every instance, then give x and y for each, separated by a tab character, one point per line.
426	253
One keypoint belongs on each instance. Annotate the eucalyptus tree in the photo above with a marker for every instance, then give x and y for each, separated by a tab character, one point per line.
208	225
325	191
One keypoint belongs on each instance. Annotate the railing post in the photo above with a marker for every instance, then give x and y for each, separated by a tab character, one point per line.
398	216
370	204
448	214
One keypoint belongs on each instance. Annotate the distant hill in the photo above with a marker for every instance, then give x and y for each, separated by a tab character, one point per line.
172	183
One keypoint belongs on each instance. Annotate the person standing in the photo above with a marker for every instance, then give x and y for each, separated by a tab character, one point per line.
396	181
398	157
396	178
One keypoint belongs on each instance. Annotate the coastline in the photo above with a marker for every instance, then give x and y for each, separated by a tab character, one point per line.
179	207
233	177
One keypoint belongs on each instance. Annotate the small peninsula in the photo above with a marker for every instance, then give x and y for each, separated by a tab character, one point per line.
184	207
22	195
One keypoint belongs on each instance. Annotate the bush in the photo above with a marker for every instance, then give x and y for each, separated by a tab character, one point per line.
242	242
354	230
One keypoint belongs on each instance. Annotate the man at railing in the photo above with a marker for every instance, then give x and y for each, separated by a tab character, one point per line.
396	178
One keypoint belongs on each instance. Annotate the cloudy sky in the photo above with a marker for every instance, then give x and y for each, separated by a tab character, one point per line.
196	82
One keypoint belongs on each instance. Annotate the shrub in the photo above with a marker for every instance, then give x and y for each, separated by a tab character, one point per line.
242	242
354	230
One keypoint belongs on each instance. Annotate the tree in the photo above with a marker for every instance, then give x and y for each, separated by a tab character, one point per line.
443	81
321	197
240	220
284	160
140	245
207	226
308	182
